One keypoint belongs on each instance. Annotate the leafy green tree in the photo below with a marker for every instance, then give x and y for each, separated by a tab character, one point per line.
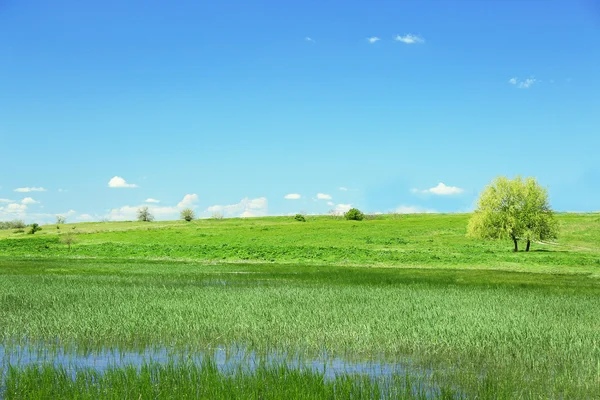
354	214
188	214
515	209
143	214
68	239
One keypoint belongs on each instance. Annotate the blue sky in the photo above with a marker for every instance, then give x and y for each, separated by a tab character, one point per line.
231	106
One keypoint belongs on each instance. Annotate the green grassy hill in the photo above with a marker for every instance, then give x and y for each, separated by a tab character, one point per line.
432	240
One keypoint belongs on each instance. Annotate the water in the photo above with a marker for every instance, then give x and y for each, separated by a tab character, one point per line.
227	359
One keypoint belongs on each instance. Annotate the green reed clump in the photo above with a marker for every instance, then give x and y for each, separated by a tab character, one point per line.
205	381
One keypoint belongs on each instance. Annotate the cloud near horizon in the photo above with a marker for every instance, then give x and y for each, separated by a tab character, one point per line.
30	189
413	210
246	208
441	190
292	196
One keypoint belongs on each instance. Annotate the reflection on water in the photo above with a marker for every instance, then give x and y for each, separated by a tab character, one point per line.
227	359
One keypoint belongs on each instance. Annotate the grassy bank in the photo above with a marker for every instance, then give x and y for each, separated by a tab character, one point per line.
390	240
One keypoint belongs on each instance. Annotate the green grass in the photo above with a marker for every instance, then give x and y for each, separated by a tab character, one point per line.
205	381
391	240
486	322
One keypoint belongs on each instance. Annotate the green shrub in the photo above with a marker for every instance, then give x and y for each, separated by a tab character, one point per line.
187	214
300	218
34	228
354	214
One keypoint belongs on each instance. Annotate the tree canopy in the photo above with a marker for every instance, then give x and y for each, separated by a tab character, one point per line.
516	209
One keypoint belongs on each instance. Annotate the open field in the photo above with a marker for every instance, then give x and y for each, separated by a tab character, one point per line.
465	317
387	240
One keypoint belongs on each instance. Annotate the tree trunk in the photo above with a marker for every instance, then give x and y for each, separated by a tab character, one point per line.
516	245
528	244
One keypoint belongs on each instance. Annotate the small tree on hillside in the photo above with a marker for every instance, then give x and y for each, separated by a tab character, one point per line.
188	214
143	214
61	220
68	239
516	209
354	214
34	228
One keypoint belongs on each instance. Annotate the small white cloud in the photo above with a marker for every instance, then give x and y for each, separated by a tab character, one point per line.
29	200
330	203
151	200
85	217
188	201
245	208
309	39
292	196
118	182
16	208
409	39
526	84
340	209
343	189
6	201
441	190
373	39
413	210
323	196
30	189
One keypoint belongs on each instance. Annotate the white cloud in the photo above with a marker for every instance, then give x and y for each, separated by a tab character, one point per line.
85	217
413	210
340	209
309	39
151	200
129	213
441	190
6	201
292	196
330	203
409	39
343	189
16	208
188	201
118	182
323	196
29	200
30	189
526	84
245	208
373	39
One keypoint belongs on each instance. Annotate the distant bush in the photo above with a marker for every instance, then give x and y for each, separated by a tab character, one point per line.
68	239
61	220
217	215
19	231
34	228
144	215
16	224
300	218
354	214
188	214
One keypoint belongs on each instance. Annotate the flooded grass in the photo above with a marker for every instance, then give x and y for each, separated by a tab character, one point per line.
484	334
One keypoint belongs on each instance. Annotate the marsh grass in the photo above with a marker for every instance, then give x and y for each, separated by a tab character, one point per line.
526	334
205	381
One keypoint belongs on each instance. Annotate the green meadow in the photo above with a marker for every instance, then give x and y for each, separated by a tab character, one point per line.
462	318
